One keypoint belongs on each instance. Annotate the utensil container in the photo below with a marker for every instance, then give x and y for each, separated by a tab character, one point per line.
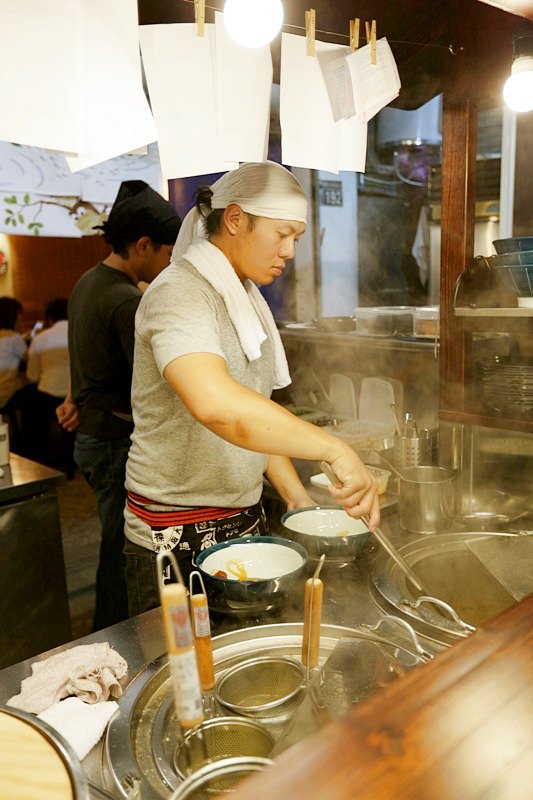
413	451
427	499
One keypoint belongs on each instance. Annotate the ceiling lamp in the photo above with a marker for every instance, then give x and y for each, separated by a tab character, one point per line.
518	89
253	23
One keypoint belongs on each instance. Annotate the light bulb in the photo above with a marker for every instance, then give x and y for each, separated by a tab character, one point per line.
253	23
518	89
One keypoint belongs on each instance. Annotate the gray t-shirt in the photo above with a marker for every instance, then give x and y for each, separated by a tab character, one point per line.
174	459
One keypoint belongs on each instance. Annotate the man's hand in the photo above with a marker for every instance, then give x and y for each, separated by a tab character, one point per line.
67	415
358	494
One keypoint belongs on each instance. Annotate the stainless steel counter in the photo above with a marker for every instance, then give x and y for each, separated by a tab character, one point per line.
348	601
34	613
141	640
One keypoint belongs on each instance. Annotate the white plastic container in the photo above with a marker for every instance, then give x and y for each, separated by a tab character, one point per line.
426	321
4	442
384	320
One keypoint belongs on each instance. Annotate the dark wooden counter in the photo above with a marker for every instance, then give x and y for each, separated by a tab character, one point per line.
457	728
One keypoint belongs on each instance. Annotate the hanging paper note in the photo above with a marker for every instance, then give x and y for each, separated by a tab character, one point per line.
374	85
243	116
179	72
310	136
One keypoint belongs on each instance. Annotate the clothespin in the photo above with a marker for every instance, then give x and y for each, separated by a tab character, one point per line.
310	22
354	33
371	39
199	16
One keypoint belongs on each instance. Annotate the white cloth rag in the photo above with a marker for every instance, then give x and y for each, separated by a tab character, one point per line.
80	724
90	671
247	308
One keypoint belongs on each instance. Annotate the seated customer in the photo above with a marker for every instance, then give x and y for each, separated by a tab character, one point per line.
13	350
49	368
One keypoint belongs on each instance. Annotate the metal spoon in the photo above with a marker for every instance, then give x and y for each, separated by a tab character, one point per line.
380	536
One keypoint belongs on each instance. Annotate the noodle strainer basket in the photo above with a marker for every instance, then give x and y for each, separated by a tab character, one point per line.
220	778
266	686
221	738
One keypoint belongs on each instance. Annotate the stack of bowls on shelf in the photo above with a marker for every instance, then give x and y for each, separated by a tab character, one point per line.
514	262
506	385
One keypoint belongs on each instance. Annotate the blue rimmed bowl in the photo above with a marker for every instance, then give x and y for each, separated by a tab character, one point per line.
514	244
517	278
524	259
252	569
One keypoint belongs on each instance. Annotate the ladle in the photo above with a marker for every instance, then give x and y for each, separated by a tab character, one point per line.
201	630
380	536
180	646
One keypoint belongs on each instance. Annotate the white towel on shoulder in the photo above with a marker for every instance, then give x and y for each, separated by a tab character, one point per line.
247	308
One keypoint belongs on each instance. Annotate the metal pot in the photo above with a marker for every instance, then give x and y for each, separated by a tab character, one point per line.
144	737
427	499
477	574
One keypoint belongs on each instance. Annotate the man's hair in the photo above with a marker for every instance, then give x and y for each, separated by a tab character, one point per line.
139	211
212	218
9	311
121	246
56	309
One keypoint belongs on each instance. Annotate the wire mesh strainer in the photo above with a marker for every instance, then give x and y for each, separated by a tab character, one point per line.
218	738
219	778
262	687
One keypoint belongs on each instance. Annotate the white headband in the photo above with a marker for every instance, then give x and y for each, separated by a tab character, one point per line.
265	189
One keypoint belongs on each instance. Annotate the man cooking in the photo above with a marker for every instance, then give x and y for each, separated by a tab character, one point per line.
207	357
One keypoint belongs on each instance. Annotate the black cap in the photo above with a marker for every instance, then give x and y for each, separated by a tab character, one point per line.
140	211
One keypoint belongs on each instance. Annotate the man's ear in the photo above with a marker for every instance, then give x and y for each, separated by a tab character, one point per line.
233	218
143	245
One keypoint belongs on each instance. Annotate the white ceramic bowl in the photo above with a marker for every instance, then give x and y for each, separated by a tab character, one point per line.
255	567
326	530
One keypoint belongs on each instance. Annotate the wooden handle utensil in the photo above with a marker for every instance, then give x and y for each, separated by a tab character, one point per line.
181	651
314	592
201	629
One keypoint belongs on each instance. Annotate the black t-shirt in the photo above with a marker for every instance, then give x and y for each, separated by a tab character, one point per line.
101	327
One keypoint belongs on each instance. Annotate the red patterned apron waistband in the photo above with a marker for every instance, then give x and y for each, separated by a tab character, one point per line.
163	519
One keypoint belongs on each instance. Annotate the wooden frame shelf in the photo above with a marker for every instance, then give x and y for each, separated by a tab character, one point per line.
491	313
466	83
487	421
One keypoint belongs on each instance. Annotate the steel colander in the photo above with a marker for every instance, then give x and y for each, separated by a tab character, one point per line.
219	778
262	687
221	738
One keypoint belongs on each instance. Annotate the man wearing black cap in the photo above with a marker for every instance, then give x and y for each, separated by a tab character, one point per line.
142	228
